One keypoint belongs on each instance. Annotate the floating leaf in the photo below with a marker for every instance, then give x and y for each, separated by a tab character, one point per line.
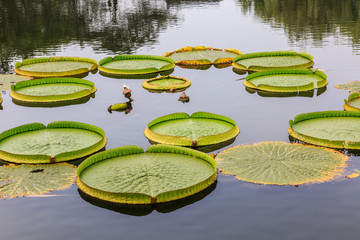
55	66
262	61
353	86
166	83
52	90
353	102
355	174
199	129
134	65
59	141
28	180
200	55
286	80
281	163
337	129
7	79
129	175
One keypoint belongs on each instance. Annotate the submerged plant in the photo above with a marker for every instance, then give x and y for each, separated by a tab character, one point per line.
29	180
280	163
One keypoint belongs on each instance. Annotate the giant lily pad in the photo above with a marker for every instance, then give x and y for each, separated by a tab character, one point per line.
29	180
51	90
134	65
200	55
166	83
353	102
336	129
286	80
6	80
55	66
353	86
161	174
281	163
59	141
262	61
199	129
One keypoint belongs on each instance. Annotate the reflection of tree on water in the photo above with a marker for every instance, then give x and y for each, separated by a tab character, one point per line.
310	21
112	25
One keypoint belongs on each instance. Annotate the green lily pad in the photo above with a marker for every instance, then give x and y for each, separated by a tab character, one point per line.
161	174
6	80
134	65
262	61
336	129
353	86
200	55
29	180
286	80
51	90
166	83
55	66
199	129
280	163
353	102
59	141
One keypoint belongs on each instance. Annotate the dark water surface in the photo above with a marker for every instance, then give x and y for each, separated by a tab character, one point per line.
229	209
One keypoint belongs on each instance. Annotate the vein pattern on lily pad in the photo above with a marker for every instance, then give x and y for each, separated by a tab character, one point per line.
130	175
286	80
201	55
29	180
52	90
7	79
199	129
337	129
135	65
281	163
55	66
59	141
353	86
262	61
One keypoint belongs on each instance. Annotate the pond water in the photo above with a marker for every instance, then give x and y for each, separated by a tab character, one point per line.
229	209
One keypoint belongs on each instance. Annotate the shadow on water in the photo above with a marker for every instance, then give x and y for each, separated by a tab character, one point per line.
142	210
53	104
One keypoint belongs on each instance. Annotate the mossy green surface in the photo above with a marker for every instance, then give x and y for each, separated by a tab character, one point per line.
53	89
192	128
58	66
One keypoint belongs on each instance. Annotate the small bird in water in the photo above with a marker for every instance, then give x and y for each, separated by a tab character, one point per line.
127	92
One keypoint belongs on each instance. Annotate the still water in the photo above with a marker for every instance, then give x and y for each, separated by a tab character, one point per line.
229	209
